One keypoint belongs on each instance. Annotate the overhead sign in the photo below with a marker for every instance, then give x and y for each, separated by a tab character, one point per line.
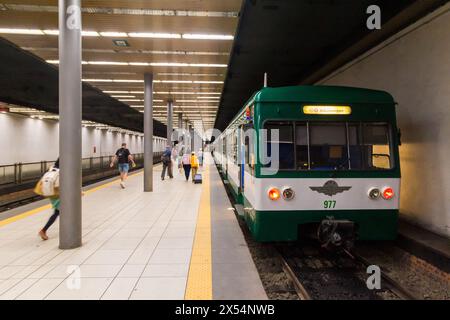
327	110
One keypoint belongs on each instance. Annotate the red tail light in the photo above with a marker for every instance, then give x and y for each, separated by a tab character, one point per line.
274	194
388	193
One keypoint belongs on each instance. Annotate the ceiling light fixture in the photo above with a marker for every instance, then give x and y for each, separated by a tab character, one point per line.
21	31
191	36
154	35
108	63
90	34
113	34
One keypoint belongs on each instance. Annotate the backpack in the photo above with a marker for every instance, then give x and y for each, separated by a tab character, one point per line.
165	159
48	186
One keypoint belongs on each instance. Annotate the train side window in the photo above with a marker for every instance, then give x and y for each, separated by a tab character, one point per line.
285	143
328	146
377	146
355	147
301	139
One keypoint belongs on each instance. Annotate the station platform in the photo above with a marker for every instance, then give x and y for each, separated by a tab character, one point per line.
181	241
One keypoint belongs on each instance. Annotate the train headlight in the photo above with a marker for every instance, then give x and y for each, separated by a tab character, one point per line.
374	193
288	193
274	194
388	193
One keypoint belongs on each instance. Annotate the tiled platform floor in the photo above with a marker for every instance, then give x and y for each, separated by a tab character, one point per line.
136	246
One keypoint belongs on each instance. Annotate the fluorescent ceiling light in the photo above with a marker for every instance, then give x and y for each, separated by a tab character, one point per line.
169	64
154	35
51	32
207	36
113	34
21	31
217	82
123	96
112	63
90	34
201	101
97	80
57	62
139	64
128	81
131	100
114	80
208	98
190	74
158	64
212	65
162	92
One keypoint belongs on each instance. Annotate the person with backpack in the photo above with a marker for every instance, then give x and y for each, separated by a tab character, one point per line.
49	186
166	159
194	165
123	157
186	162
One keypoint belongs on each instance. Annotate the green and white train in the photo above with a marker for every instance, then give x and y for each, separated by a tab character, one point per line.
338	171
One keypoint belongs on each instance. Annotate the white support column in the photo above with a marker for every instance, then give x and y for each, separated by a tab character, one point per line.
70	228
169	122
148	132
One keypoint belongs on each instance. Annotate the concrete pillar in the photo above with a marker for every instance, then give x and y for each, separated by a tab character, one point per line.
180	136
169	122
70	123
148	132
191	133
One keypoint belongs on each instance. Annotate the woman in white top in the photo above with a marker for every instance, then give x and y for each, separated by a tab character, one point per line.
186	160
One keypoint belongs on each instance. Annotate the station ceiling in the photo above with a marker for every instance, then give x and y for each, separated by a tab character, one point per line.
301	41
184	43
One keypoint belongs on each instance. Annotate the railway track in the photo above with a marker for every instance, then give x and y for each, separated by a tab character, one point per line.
321	275
388	281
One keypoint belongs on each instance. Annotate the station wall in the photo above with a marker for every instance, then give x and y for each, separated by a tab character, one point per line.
24	139
414	66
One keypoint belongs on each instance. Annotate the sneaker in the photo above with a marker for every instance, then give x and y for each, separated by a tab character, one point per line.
122	184
43	235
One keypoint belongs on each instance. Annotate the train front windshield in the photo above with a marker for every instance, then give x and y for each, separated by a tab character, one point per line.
331	145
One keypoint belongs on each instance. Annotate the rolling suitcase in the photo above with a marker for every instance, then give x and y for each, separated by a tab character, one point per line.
198	178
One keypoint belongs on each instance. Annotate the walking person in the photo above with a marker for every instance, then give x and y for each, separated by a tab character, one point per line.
54	200
166	159
123	157
48	187
194	165
174	156
200	157
186	161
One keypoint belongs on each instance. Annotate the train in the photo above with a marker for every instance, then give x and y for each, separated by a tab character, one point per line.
319	161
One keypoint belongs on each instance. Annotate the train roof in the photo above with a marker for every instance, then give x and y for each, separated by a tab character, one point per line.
322	94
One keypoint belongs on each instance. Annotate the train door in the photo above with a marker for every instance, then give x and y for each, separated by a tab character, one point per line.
245	145
241	157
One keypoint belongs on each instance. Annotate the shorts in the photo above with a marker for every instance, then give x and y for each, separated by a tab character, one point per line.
124	167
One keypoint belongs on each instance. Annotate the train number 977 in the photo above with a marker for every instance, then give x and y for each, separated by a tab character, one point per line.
329	204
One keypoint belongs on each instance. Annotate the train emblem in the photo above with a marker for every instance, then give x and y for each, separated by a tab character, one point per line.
330	188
